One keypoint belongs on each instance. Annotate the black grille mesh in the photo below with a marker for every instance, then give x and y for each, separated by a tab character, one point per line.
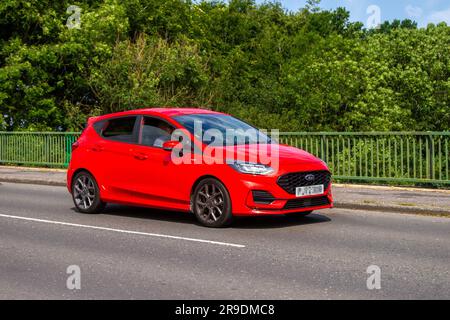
289	182
306	203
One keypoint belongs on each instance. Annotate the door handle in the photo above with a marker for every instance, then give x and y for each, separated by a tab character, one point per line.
141	156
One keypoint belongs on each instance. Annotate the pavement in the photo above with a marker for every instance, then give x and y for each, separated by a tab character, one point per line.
138	253
368	198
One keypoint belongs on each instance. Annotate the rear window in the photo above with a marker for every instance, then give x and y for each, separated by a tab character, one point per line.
120	129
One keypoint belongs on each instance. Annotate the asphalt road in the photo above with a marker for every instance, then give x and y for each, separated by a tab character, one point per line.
138	253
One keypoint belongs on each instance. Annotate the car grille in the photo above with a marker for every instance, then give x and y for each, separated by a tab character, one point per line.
289	182
306	203
262	197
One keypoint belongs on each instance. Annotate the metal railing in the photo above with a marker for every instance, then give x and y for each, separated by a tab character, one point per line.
51	149
403	157
398	157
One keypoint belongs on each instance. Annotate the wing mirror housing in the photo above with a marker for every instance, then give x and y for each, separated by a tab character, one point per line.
170	145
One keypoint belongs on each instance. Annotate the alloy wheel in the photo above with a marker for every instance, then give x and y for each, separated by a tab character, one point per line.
210	202
84	192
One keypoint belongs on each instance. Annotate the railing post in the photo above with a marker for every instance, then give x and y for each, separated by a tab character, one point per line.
69	140
322	148
431	157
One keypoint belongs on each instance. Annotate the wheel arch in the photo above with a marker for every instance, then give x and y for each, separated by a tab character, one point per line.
77	172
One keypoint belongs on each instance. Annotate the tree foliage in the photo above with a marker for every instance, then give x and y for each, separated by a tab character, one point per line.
296	71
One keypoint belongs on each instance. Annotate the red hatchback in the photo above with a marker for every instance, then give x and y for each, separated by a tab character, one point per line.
201	161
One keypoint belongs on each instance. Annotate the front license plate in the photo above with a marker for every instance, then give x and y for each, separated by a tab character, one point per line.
309	191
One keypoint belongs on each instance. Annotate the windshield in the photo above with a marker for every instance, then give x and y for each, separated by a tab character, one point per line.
221	130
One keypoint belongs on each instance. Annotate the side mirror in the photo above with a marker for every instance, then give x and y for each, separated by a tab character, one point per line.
170	145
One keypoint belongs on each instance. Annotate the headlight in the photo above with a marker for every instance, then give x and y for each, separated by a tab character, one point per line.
251	168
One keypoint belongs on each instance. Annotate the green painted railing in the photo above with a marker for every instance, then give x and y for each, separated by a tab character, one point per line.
51	149
398	157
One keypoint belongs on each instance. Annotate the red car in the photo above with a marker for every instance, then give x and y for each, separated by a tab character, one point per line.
133	158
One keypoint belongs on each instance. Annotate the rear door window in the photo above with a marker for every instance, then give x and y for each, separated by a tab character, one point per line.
120	129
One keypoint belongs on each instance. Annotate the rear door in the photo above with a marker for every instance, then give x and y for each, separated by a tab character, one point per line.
119	135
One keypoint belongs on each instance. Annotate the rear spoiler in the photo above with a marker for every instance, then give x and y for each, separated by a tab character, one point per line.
91	120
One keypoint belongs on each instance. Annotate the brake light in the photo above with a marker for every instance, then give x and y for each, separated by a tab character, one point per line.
75	145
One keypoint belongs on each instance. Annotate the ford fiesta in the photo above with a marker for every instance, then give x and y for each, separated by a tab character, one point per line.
135	158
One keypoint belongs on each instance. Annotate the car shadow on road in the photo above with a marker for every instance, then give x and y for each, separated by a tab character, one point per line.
149	214
262	222
273	222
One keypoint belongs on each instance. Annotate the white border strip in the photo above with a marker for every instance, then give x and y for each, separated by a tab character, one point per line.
123	231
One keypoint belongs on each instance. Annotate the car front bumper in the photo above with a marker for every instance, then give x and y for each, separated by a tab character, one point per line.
243	203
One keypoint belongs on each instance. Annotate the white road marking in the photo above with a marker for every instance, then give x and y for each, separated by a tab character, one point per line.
122	231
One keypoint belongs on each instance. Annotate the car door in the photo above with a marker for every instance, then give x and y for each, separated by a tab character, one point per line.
155	175
119	135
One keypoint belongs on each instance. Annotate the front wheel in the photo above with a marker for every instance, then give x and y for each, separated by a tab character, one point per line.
86	194
211	204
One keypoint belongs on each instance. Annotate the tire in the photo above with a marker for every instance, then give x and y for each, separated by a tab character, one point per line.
298	214
86	194
211	204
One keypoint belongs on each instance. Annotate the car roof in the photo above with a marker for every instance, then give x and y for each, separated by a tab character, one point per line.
180	111
168	112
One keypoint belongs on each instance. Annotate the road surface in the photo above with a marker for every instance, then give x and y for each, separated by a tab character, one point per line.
138	253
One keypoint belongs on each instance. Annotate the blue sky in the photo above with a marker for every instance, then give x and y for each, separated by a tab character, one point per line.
422	11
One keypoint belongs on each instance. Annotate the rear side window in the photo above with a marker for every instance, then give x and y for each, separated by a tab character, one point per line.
120	129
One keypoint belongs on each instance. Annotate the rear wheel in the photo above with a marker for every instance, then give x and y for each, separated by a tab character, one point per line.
211	204
86	194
